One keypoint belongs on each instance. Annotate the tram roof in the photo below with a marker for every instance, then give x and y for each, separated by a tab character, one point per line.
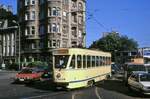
65	51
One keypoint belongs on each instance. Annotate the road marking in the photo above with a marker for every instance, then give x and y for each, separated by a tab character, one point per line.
74	94
97	94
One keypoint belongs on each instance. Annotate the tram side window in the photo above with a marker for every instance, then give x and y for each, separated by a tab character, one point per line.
79	61
101	61
104	61
97	61
93	61
84	61
109	60
72	64
88	61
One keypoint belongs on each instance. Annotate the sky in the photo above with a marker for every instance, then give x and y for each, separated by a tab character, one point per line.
128	17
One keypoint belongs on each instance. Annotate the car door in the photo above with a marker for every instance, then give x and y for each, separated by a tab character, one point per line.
134	82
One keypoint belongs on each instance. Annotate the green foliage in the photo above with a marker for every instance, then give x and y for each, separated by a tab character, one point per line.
37	64
13	66
113	43
7	15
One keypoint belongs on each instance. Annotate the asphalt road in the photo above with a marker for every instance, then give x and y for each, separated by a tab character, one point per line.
110	89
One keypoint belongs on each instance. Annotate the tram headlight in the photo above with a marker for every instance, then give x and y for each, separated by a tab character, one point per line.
58	75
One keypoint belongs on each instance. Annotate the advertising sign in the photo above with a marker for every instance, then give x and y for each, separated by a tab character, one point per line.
146	52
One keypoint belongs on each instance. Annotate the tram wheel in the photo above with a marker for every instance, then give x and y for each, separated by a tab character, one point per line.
90	83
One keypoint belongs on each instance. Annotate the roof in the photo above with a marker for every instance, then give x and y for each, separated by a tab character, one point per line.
83	51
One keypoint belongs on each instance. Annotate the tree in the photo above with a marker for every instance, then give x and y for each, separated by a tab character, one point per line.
7	15
114	43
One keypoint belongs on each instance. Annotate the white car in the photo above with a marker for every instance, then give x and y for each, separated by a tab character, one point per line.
140	81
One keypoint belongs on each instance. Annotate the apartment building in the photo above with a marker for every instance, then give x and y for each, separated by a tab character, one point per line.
8	42
49	24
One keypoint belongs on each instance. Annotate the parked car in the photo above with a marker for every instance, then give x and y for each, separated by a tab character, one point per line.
29	75
130	68
140	81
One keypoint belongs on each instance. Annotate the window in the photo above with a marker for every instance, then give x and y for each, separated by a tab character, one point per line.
27	31
74	17
84	61
49	43
80	19
104	60
101	61
108	61
80	33
27	2
33	30
54	43
27	16
58	28
54	27
54	11
61	61
79	61
74	5
58	12
64	14
58	43
33	2
97	61
33	46
65	1
49	11
88	61
73	62
93	61
74	31
33	15
80	6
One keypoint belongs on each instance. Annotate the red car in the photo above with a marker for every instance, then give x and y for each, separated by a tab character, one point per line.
29	75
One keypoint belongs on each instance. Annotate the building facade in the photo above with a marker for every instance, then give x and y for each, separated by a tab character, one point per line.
8	42
145	52
49	24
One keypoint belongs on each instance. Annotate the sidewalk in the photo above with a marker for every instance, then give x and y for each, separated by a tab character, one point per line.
8	71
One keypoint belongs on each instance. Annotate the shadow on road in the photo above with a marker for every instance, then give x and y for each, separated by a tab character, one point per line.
119	87
46	85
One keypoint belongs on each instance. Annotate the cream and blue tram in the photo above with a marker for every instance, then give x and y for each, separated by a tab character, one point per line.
75	67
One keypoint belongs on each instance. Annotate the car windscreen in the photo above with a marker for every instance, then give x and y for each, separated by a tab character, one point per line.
26	71
145	77
136	68
61	61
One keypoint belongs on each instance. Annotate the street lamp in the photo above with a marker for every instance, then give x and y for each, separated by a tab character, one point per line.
19	42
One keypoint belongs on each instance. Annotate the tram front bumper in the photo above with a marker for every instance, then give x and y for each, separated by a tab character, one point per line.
62	84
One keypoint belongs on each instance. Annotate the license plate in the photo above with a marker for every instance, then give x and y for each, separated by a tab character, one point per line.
21	79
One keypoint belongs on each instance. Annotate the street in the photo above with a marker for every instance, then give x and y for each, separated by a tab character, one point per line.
109	89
